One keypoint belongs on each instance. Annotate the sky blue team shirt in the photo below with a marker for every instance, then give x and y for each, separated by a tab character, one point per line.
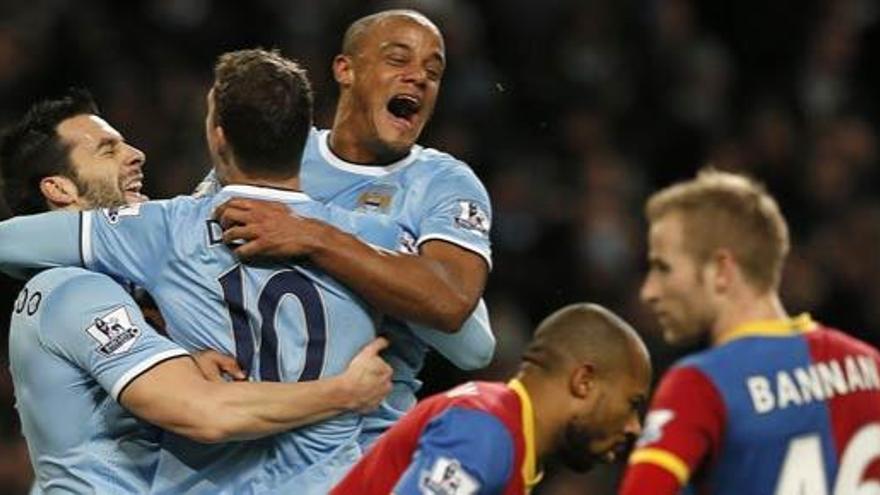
76	340
433	196
281	322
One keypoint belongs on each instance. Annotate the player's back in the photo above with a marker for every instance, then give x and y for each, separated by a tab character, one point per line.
74	336
281	322
476	437
801	412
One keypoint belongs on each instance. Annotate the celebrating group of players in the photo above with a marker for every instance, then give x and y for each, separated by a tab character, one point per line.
301	286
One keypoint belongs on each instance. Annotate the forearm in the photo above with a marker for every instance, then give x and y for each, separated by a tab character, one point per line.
409	287
254	410
176	397
471	348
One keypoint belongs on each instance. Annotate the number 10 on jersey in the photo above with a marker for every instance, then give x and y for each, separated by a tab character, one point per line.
280	284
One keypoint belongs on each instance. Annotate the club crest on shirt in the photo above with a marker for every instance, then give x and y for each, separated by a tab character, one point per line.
654	423
472	217
447	477
117	212
114	332
376	199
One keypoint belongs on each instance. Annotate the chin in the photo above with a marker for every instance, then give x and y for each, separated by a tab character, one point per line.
679	338
581	464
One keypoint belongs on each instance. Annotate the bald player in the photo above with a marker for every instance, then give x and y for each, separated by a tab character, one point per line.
577	396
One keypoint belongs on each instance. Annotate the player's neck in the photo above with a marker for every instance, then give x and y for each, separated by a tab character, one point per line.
544	409
348	143
236	177
745	310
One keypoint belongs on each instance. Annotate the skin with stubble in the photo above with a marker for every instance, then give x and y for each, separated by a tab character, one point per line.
107	170
588	374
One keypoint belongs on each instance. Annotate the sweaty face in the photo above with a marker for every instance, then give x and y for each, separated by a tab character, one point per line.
108	171
675	288
606	432
396	78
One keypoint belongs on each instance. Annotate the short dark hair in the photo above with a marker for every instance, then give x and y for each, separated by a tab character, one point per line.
263	102
31	150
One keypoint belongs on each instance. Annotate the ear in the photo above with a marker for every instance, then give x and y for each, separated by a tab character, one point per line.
582	381
59	191
343	71
722	270
219	142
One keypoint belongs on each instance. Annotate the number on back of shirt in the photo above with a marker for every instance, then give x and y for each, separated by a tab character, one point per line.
279	285
803	470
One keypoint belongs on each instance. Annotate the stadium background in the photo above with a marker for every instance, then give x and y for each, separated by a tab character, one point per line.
570	111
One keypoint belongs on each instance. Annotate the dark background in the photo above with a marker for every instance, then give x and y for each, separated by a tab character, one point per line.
570	111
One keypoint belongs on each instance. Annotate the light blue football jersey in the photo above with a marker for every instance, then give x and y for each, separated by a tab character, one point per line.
281	322
433	196
76	340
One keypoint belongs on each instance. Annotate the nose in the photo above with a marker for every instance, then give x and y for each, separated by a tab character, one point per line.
417	75
633	426
136	157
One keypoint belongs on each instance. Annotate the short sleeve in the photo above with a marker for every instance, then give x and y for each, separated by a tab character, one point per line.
458	211
684	425
91	321
40	241
127	242
462	451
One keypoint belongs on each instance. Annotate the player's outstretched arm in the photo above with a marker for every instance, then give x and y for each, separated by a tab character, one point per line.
34	242
438	288
177	397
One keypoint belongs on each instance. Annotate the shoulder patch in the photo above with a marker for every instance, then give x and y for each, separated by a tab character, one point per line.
114	332
447	477
472	217
654	423
117	212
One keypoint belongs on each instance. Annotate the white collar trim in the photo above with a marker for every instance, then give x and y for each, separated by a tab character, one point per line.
354	168
267	192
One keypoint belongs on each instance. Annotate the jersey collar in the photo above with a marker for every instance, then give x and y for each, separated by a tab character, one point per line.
784	327
354	168
270	193
529	469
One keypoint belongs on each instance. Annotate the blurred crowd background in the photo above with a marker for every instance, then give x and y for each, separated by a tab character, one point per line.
570	111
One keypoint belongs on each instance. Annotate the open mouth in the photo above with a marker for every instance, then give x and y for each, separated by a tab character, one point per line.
404	108
132	191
